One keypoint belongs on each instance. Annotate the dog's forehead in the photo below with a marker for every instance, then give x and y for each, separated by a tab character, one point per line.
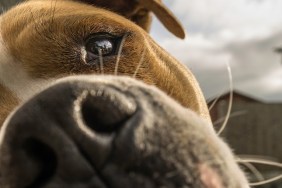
47	39
63	13
34	30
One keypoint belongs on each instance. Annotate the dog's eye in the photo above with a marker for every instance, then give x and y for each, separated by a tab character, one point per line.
102	44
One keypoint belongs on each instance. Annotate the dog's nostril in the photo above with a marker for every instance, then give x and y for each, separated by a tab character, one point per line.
106	113
43	159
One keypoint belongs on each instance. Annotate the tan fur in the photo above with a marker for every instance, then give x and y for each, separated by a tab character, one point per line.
131	10
7	103
138	11
42	41
47	37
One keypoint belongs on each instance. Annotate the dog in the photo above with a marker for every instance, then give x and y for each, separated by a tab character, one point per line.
100	130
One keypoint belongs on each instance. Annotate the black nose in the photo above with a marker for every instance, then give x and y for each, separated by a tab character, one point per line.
104	113
63	136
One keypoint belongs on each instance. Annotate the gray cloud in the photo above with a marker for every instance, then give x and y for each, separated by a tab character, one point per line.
242	33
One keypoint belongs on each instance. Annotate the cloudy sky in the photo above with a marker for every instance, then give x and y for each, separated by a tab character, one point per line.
242	33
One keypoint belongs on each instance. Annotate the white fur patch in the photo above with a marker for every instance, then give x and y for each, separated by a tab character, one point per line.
3	128
15	78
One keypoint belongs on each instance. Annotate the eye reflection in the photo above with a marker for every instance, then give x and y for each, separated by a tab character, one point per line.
101	44
104	45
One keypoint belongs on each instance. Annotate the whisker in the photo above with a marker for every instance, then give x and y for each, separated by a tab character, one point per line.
232	115
214	102
139	64
230	100
270	180
101	61
263	162
254	171
119	53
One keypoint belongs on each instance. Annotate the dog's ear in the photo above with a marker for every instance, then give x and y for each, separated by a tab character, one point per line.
165	16
138	11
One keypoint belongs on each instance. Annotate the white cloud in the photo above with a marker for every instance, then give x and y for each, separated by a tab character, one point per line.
241	32
228	16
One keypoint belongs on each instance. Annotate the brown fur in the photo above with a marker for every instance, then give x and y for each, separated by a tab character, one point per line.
131	10
139	11
7	103
114	130
46	38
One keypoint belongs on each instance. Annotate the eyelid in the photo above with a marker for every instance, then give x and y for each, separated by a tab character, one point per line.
102	35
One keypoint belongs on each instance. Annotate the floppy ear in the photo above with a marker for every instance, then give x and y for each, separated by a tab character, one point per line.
138	11
165	16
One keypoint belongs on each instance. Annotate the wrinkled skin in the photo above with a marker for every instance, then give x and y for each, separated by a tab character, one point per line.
112	132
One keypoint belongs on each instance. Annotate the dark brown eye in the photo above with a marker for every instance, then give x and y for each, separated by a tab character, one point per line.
105	45
101	44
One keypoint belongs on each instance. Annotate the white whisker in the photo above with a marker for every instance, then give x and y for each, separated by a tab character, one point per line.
270	180
101	61
119	54
139	64
230	100
232	115
214	102
262	162
254	171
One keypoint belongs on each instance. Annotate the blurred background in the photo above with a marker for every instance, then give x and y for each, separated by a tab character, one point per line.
247	36
243	33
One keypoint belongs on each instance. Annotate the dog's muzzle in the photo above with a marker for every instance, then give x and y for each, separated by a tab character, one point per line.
106	133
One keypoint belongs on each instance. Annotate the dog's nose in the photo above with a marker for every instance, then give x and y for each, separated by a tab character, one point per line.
103	112
63	137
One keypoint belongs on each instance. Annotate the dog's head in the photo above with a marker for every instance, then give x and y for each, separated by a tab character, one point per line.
101	131
45	40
